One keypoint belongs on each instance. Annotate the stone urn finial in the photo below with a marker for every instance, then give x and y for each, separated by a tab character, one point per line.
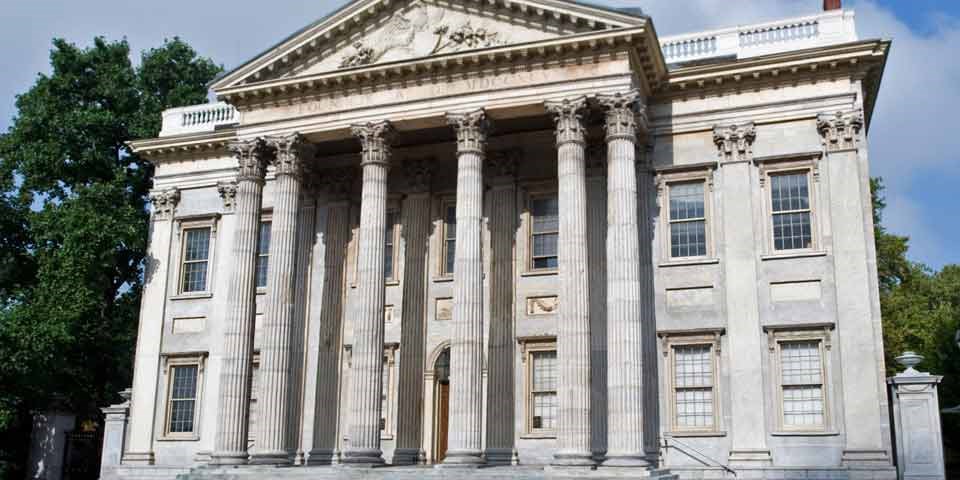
909	360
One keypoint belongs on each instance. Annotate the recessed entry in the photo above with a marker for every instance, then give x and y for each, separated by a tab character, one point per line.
188	325
804	291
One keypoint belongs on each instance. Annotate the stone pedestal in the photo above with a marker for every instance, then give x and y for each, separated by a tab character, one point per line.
115	419
916	417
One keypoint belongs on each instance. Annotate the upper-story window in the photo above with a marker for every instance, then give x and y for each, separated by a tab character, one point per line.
449	210
790	207
196	260
390	245
544	231
688	221
263	254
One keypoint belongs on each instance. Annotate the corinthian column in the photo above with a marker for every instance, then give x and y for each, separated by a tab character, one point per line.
278	322
466	346
573	338
624	332
416	234
366	375
230	444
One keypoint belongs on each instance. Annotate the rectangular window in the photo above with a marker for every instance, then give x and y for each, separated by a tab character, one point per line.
196	258
384	395
254	414
543	391
449	237
182	398
390	245
688	223
693	387
263	254
790	204
545	231
801	380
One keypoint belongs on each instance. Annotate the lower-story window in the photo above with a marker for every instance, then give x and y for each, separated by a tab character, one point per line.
183	395
691	360
800	361
541	387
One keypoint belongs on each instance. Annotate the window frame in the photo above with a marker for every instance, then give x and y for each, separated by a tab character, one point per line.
387	414
255	383
444	204
170	363
670	340
184	224
393	232
533	193
265	217
530	347
810	165
779	335
686	174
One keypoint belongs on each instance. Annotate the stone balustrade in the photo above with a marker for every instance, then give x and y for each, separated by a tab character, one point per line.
198	118
762	39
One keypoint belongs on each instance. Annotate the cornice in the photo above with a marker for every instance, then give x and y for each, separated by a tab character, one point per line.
158	150
862	60
640	42
331	32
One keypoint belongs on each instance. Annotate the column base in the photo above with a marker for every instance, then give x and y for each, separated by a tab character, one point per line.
326	456
630	460
406	456
229	458
363	457
270	458
573	459
499	456
138	458
464	458
750	458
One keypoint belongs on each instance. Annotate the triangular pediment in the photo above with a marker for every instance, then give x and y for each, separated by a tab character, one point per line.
371	32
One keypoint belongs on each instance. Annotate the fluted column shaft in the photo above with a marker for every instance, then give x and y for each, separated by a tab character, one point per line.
416	232
278	323
573	338
366	376
306	233
624	367
466	346
230	444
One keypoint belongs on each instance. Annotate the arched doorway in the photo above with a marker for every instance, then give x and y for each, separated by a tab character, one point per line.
441	410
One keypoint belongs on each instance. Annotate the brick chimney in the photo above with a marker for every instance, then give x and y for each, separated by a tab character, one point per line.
832	5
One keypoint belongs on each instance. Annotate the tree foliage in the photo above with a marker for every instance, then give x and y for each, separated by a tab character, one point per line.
74	224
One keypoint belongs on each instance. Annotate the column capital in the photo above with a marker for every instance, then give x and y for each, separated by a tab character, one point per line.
291	152
165	203
568	114
254	155
228	194
840	131
626	115
375	139
472	129
337	182
419	174
735	142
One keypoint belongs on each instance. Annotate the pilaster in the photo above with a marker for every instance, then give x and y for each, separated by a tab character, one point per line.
367	355
466	347
573	338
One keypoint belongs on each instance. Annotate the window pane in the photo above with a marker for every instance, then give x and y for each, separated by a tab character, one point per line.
384	395
694	407
792	231
544	371
544	410
693	379
790	192
450	218
254	392
688	239
450	255
263	254
803	406
198	244
800	362
183	391
194	277
545	245
450	233
802	383
546	214
388	244
544	387
686	201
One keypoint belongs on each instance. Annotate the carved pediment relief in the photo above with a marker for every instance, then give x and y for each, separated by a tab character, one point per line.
370	32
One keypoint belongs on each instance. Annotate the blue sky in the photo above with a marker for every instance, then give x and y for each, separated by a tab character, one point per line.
914	140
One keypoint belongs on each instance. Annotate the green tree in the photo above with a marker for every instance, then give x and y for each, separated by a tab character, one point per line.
75	236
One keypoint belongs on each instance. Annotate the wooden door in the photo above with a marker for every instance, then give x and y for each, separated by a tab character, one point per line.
443	419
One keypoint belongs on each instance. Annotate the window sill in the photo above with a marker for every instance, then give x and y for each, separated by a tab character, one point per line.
192	296
540	273
185	438
538	436
697	434
443	279
392	283
797	254
386	437
689	262
804	434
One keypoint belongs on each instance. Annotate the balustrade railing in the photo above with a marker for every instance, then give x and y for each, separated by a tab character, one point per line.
198	118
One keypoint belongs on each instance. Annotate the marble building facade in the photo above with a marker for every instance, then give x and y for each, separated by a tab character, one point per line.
518	233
